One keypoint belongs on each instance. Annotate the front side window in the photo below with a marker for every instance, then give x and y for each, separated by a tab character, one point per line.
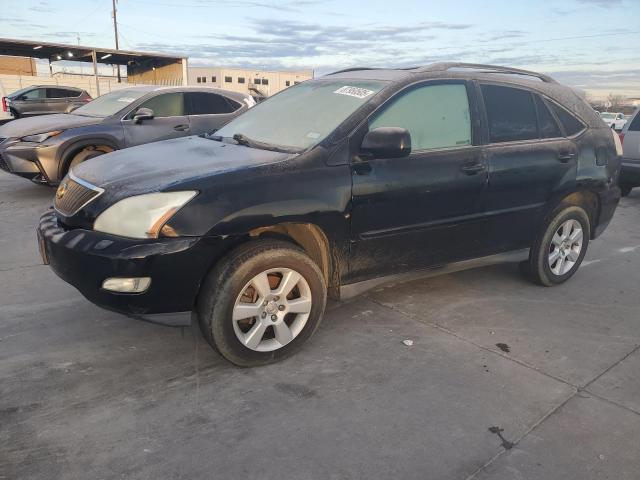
36	94
166	105
511	114
201	103
548	125
306	114
570	123
436	116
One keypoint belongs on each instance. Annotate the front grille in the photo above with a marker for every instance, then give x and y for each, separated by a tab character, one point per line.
71	196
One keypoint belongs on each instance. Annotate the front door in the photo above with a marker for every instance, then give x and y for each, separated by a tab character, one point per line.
420	211
169	121
529	161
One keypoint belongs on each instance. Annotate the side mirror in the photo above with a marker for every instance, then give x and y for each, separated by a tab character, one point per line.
387	142
142	114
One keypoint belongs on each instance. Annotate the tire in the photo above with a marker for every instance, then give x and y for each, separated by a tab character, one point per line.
15	114
84	155
231	283
541	269
625	190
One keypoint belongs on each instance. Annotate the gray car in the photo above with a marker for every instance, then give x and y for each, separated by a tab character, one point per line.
630	176
42	149
44	99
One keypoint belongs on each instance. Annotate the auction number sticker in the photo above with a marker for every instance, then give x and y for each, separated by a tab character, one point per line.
354	91
125	99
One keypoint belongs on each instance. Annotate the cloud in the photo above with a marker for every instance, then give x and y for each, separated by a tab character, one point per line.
603	3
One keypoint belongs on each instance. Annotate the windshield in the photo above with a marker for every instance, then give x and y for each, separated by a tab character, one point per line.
109	103
302	116
608	116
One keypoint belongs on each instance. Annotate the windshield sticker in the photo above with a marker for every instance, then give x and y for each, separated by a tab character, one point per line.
313	135
354	91
125	99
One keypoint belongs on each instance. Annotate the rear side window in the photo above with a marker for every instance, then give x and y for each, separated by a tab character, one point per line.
436	116
201	103
61	93
166	105
548	126
511	114
634	126
570	123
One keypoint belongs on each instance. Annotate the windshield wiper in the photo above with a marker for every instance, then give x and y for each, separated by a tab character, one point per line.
242	139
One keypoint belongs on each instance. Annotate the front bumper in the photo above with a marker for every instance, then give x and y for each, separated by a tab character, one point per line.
630	174
85	258
25	160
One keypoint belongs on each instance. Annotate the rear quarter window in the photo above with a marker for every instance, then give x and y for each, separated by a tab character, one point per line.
570	123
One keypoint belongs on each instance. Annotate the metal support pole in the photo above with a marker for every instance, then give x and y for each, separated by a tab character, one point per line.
115	31
94	56
185	72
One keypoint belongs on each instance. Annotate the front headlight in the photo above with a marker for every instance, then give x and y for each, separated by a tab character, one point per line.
40	137
141	216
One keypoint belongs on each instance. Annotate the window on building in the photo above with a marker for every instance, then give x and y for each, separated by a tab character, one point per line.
265	81
570	123
240	79
257	81
436	116
511	114
199	79
548	126
296	83
201	103
228	80
213	79
287	83
204	79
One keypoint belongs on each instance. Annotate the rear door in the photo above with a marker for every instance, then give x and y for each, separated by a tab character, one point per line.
529	159
58	99
420	210
170	120
209	111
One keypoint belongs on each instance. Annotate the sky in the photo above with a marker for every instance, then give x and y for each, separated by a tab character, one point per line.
588	44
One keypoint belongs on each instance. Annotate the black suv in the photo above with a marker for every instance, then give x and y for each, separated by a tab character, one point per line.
330	185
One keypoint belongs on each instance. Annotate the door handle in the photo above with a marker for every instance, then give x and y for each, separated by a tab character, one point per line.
181	128
564	157
472	169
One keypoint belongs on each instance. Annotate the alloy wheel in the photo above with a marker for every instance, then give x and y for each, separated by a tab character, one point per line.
565	247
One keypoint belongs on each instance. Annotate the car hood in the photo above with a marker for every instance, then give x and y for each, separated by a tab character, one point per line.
45	123
161	165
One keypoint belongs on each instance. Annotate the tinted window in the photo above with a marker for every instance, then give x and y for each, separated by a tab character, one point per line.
548	126
200	103
436	116
61	93
511	114
34	94
570	123
166	105
635	123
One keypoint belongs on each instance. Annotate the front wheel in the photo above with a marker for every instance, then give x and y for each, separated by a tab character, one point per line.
261	303
558	252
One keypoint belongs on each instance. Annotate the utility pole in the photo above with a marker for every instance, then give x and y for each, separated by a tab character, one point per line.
115	31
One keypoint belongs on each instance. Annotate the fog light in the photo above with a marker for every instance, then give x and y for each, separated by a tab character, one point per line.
127	285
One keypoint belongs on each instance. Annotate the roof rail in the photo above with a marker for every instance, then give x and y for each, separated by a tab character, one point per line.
353	69
444	66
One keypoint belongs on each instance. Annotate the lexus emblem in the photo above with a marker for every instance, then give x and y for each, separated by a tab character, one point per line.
62	189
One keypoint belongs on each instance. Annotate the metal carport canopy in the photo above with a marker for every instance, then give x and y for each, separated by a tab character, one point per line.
78	53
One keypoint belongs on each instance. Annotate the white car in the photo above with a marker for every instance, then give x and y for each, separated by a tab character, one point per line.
614	120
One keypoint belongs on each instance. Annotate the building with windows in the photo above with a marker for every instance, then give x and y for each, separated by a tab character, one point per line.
261	83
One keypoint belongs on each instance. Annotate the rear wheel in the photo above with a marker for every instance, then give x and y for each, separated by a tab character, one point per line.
14	113
558	252
262	302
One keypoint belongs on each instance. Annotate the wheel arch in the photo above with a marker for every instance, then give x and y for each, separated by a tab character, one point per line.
585	198
71	150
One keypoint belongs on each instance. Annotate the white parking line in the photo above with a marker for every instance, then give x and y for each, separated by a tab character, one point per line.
620	250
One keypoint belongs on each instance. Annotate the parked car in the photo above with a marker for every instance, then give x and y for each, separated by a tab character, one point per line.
43	149
614	120
630	176
4	111
332	186
43	100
